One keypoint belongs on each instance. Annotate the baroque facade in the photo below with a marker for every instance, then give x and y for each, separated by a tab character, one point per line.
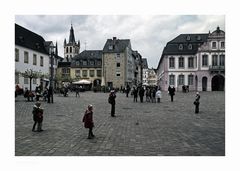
194	60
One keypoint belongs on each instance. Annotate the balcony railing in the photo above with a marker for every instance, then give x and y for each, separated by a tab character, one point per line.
216	68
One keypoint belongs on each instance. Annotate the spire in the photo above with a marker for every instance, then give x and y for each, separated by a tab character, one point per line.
56	50
65	42
71	36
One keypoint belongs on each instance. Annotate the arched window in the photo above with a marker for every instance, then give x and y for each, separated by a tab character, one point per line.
190	46
67	50
180	47
70	49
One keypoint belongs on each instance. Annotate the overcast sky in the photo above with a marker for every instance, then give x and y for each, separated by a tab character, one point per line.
148	34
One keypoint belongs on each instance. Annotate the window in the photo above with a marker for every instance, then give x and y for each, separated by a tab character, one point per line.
118	56
190	62
118	74
67	50
25	80
77	73
84	73
199	38
16	78
99	73
41	61
91	73
188	37
181	62
110	47
118	64
181	80
16	54
214	60
222	44
204	60
222	60
180	47
25	57
84	62
77	63
70	49
172	79
190	46
34	81
190	79
214	45
92	63
99	63
34	59
171	62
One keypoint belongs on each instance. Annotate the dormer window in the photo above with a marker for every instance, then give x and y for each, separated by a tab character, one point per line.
37	45
180	47
188	38
110	47
199	38
190	46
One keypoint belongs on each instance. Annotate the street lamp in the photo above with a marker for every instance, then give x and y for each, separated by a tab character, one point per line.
51	73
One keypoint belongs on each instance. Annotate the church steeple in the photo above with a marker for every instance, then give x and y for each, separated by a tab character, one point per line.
71	36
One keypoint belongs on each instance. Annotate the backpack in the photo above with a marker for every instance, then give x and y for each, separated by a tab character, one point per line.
109	100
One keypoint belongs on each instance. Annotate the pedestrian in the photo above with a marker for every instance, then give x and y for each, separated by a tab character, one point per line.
111	100
196	102
77	91
37	116
135	94
158	95
171	92
153	95
127	90
141	94
50	93
147	95
88	121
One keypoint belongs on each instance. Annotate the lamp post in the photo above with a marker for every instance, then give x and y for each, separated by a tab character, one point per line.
51	73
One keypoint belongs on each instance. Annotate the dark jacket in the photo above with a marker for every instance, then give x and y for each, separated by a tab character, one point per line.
37	114
171	91
88	119
111	98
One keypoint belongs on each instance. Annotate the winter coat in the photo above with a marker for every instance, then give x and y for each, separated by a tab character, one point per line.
37	114
88	119
111	98
159	94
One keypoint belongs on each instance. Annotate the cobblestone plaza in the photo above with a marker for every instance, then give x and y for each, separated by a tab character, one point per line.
139	129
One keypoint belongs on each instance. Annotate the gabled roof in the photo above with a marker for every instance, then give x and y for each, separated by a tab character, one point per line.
117	45
89	54
29	39
144	63
189	43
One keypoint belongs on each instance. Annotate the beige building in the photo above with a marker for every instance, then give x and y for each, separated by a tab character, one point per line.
118	63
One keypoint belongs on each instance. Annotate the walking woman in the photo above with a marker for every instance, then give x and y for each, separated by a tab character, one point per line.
88	121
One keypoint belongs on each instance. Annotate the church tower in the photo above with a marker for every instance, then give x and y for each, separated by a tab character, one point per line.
71	48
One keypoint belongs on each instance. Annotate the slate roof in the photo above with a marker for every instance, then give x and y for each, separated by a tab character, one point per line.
64	64
29	39
88	55
144	63
186	40
118	45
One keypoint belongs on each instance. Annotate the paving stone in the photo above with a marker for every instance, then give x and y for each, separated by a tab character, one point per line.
139	129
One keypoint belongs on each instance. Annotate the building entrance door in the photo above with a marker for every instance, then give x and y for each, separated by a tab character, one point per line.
218	83
204	84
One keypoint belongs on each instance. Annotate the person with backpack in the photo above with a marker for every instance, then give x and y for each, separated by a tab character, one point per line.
111	100
88	121
37	116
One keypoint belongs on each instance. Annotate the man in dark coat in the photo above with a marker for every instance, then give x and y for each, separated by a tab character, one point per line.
141	94
49	95
171	91
88	121
196	102
111	100
135	94
37	116
127	90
